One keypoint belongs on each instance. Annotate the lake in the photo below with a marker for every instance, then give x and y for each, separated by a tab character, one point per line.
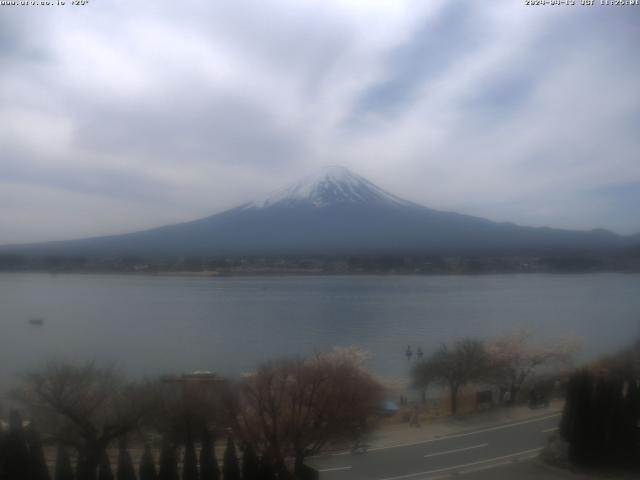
152	324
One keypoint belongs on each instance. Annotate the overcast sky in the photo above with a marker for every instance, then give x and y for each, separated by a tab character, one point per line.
117	116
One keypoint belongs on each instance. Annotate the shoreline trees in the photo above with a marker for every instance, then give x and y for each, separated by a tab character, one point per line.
513	359
507	362
83	406
455	366
287	410
283	412
297	407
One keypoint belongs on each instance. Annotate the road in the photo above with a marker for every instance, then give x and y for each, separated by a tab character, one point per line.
466	454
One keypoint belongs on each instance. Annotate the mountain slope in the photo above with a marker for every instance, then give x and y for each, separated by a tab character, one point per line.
334	212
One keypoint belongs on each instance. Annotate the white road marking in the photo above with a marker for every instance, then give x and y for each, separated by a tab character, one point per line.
499	464
481	468
456	450
334	469
548	430
464	465
459	435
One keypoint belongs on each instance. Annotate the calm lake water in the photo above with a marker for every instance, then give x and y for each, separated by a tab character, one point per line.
148	324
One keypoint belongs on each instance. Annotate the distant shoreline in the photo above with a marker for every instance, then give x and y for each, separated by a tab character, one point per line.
317	265
284	273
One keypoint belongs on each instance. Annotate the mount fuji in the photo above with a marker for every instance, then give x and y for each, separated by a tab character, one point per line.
334	211
329	186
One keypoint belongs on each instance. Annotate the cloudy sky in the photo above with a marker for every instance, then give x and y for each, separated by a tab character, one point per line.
123	115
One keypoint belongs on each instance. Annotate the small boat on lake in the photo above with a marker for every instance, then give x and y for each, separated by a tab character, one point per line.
36	322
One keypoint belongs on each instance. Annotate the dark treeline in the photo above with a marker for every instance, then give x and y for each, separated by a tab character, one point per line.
601	418
327	264
22	458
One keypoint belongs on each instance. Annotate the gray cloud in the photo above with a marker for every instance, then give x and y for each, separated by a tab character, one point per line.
131	117
212	130
102	181
437	43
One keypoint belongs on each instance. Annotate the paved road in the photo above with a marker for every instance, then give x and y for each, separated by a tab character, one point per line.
469	454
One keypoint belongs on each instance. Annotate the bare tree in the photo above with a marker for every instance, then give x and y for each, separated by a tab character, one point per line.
180	407
465	362
82	405
296	407
513	359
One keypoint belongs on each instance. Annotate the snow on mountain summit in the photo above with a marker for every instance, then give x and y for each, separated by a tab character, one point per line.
331	185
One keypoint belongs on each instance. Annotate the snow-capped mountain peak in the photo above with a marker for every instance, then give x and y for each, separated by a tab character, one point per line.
330	185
